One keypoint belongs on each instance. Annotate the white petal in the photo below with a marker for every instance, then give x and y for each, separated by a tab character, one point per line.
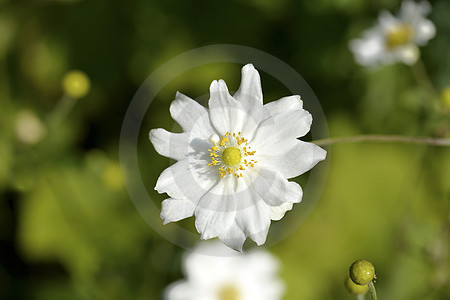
179	290
233	237
187	112
255	220
281	106
168	144
229	115
386	20
411	10
369	50
223	109
210	266
273	289
298	158
424	31
173	210
250	88
186	179
259	278
216	210
275	189
278	212
408	54
262	264
282	127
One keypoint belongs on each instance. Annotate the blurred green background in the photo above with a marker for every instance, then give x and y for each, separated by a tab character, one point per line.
68	229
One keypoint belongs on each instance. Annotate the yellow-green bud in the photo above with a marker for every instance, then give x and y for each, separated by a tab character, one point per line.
362	272
76	84
445	97
112	176
354	288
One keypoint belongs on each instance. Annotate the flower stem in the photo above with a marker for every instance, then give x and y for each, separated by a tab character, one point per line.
383	138
63	107
61	111
360	297
421	75
372	290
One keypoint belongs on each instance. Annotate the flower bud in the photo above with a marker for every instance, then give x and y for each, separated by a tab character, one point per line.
445	97
354	288
112	176
76	84
362	272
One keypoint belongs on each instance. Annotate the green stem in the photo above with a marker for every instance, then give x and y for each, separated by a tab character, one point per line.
383	138
63	107
421	75
360	297
372	290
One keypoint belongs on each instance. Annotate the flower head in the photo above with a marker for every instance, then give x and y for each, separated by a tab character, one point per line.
234	160
215	272
395	39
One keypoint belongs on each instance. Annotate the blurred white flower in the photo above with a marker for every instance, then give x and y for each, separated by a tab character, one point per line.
234	160
29	128
395	39
214	272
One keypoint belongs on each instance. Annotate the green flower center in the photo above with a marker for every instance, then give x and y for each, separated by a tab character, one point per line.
231	156
399	36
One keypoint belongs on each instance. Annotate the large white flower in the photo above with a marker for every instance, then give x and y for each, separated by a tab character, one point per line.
214	272
395	39
234	160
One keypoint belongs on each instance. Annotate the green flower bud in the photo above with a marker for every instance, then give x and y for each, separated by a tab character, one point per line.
362	272
354	288
445	97
76	84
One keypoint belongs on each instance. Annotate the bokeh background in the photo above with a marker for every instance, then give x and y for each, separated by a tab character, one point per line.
68	229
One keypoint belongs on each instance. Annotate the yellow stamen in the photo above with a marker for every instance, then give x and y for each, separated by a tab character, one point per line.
229	292
228	152
399	35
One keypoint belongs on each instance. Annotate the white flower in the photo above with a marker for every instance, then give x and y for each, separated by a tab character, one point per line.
395	39
214	272
234	160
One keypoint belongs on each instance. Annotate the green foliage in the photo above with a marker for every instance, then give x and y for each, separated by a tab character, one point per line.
64	208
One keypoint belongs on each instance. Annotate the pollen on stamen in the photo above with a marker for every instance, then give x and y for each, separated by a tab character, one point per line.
228	153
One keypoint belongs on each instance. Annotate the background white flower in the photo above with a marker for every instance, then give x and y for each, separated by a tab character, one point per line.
234	161
214	272
395	39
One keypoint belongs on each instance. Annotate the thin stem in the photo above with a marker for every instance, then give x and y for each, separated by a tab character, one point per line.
372	290
420	73
383	138
63	107
360	297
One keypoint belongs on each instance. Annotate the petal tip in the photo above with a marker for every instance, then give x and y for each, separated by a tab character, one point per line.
151	135
322	153
236	245
249	67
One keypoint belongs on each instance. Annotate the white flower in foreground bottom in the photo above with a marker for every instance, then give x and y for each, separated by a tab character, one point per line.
214	272
234	160
395	39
